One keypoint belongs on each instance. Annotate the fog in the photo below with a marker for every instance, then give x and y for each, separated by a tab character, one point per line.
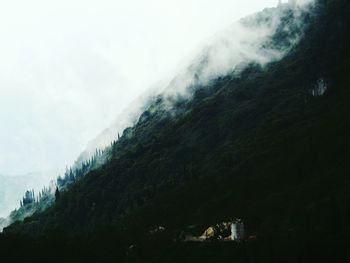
243	41
12	188
69	69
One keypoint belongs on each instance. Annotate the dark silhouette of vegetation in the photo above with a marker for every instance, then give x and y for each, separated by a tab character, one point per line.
57	194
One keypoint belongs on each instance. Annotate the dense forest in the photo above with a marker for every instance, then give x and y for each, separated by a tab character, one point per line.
269	145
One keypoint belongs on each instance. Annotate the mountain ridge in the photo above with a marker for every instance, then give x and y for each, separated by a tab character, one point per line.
276	30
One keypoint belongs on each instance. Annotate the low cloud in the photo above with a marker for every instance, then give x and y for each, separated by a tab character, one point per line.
248	40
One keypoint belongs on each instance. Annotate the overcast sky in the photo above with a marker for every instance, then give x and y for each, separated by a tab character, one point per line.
67	68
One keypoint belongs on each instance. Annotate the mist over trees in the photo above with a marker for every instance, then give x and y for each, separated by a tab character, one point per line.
254	41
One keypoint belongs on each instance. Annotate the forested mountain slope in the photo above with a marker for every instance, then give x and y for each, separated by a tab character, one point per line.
269	145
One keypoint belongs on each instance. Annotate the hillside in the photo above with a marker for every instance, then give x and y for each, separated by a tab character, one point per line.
269	145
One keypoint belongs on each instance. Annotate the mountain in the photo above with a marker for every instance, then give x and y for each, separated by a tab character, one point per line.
249	40
267	142
260	39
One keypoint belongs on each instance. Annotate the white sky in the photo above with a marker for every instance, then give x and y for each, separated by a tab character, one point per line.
67	68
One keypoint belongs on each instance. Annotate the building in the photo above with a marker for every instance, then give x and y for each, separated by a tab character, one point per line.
237	230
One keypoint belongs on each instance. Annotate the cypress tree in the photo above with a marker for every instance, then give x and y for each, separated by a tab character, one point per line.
57	194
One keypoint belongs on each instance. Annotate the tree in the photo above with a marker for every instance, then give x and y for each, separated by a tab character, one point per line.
57	194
